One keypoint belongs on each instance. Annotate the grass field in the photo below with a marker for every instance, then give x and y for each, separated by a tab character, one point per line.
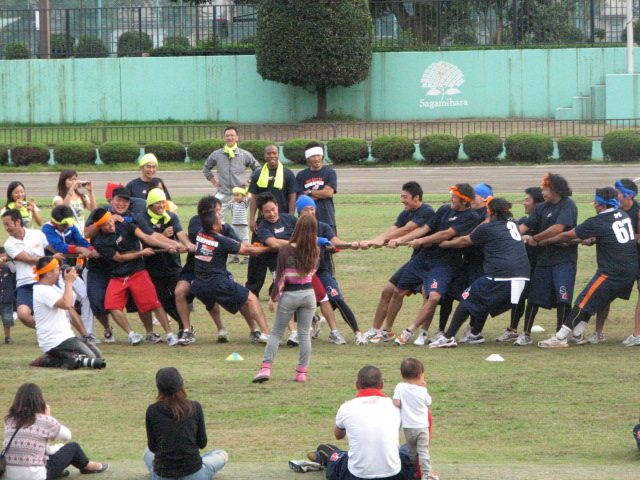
560	414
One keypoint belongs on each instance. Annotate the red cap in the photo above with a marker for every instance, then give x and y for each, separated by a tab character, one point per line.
110	187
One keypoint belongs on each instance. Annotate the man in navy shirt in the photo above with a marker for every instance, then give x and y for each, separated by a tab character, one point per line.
139	187
506	270
617	257
416	214
555	273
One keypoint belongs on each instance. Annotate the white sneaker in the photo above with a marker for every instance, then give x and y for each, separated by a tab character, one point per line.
596	337
553	342
465	335
404	337
508	336
370	333
263	339
108	335
360	339
632	341
337	338
316	326
474	339
573	340
382	335
172	339
152	337
423	338
444	342
438	334
254	336
523	340
223	336
292	341
134	338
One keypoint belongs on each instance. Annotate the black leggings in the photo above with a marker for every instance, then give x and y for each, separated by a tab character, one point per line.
69	454
346	313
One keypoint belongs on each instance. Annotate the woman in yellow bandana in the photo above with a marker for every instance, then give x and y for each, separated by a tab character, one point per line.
16	199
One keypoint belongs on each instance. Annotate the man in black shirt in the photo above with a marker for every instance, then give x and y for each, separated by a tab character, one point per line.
139	187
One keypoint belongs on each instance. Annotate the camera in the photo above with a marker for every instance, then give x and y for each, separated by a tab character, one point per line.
83	184
65	267
97	363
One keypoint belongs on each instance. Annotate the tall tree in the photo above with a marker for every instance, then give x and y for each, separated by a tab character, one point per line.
318	44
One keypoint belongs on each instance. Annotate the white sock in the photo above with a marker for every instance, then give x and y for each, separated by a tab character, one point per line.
563	333
579	329
335	331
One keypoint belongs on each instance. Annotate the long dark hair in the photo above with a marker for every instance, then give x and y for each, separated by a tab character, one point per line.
12	186
62	185
27	403
305	236
180	406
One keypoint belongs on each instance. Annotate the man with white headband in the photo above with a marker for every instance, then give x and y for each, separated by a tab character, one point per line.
139	187
231	162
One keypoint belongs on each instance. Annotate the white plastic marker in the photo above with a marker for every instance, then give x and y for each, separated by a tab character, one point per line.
234	357
537	329
494	357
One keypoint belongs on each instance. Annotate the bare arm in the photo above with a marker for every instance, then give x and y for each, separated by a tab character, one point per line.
433	239
412	235
459	242
397	402
339	433
561	238
184	239
275	243
326	192
252	213
251	250
127	257
292	203
66	300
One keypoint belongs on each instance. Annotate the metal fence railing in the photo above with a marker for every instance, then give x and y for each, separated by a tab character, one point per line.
280	133
230	28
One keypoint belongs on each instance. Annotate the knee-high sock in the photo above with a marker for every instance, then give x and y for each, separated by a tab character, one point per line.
561	314
477	323
516	314
346	313
446	306
529	316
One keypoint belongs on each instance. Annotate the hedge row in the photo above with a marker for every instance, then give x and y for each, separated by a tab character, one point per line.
618	146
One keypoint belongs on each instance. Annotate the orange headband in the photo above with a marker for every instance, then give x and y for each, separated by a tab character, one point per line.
545	181
103	220
47	268
454	190
489	198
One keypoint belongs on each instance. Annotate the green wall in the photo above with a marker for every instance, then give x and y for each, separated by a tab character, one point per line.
495	83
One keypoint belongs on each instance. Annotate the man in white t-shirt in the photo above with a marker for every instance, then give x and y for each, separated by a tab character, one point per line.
371	423
25	246
53	322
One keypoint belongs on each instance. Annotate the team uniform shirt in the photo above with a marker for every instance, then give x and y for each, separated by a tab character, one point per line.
123	240
545	215
445	218
289	186
52	324
372	424
139	189
420	216
309	180
33	243
532	252
195	225
414	409
505	255
633	213
162	264
211	254
282	229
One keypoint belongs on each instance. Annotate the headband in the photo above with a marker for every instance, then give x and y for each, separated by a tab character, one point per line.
454	191
314	151
148	158
47	268
483	190
545	181
155	195
625	191
489	198
612	202
103	220
69	221
240	190
303	202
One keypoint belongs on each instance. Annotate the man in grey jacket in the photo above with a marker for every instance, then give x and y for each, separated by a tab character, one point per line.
232	162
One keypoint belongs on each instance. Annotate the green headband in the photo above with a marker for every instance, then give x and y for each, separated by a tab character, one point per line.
69	221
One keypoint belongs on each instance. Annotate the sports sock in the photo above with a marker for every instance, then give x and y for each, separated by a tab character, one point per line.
529	316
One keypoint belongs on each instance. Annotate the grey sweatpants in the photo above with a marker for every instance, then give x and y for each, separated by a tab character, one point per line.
303	303
418	445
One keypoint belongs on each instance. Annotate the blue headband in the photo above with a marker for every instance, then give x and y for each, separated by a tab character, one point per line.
625	191
483	190
303	202
609	203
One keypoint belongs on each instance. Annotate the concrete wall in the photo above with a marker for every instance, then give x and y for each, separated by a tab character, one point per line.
402	86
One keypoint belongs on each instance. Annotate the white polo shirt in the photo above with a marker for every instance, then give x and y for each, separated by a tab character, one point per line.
372	424
415	401
52	324
33	243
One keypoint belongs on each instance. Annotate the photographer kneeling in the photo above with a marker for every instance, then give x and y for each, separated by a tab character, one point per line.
53	323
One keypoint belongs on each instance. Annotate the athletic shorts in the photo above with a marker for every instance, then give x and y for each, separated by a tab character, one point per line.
188	276
330	285
225	291
487	297
601	291
435	277
395	278
139	286
24	296
319	290
552	285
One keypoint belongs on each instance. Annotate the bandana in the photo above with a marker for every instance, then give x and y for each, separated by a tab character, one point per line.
278	181
156	195
545	181
148	158
230	150
613	202
454	191
370	392
625	191
314	151
105	218
483	190
110	188
303	202
47	268
69	221
23	210
489	198
240	190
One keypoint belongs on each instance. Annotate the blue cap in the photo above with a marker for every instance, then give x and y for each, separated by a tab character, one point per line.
304	201
483	190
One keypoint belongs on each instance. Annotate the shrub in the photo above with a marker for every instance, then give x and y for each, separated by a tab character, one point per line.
392	148
201	149
167	151
172	51
119	152
347	150
59	44
256	147
575	148
29	154
16	51
482	147
439	148
4	154
528	147
293	150
74	153
176	41
133	44
621	146
90	46
208	44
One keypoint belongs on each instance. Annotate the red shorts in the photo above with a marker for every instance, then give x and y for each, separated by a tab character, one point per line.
319	290
141	288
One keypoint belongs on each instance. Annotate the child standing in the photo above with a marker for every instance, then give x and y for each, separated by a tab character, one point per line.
7	287
239	219
413	399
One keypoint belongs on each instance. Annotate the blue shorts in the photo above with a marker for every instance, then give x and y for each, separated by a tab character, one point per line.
552	285
338	467
602	290
330	284
435	277
6	310
228	294
487	297
24	296
188	276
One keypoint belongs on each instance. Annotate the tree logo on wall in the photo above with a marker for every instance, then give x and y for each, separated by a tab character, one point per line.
442	78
